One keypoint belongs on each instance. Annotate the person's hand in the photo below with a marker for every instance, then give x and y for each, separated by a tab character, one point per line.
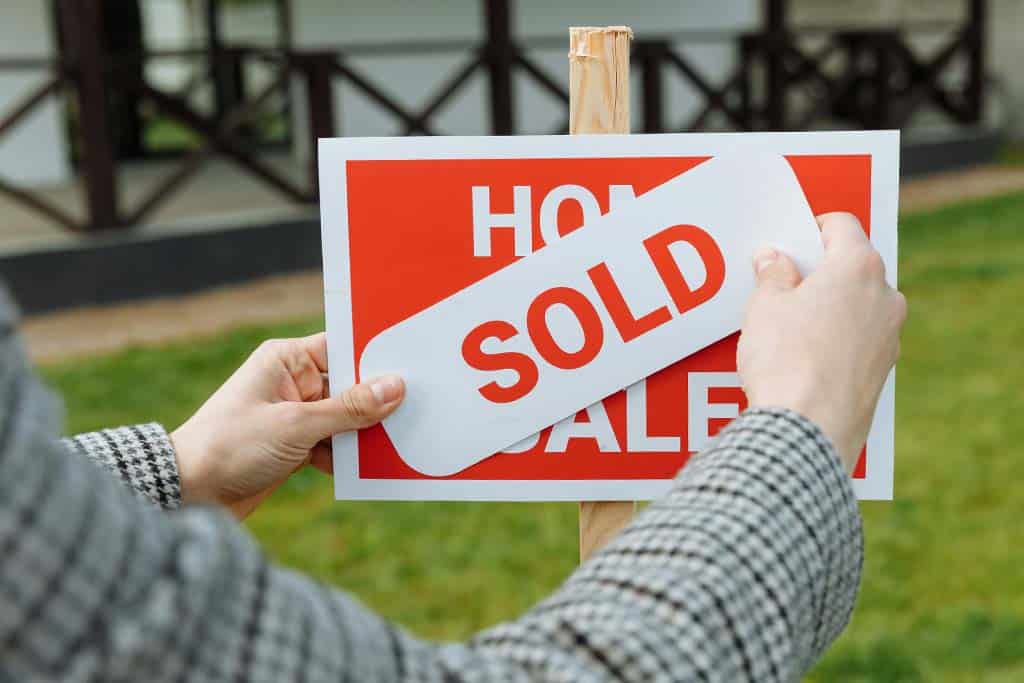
823	346
271	417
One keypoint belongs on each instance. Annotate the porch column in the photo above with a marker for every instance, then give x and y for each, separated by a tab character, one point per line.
81	26
774	20
499	54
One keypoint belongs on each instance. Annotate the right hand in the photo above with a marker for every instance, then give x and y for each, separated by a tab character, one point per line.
271	417
823	346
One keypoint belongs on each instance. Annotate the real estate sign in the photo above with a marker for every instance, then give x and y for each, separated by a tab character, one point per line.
564	310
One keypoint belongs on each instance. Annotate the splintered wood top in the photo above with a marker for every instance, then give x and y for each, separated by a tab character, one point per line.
599	79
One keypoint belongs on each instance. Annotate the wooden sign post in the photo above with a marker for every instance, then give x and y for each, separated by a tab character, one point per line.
599	103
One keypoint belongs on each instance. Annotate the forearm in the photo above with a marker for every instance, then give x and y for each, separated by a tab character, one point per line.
97	585
746	571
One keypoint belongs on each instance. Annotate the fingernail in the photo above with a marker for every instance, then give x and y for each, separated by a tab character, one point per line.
386	389
764	258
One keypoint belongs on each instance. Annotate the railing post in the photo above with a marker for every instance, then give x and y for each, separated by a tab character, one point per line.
81	26
225	64
234	69
882	49
500	57
974	90
650	55
320	106
747	51
775	44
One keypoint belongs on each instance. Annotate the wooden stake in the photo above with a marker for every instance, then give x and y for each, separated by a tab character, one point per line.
599	103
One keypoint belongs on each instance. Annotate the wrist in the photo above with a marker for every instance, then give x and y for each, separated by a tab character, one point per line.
192	471
820	411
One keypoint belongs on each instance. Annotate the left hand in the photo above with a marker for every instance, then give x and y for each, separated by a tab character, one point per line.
823	345
271	417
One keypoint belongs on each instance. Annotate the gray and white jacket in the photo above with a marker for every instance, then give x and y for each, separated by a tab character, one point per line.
746	571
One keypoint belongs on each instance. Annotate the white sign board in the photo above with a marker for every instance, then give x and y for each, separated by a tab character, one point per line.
564	309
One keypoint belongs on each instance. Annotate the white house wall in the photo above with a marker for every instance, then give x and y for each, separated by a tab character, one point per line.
35	152
166	25
411	80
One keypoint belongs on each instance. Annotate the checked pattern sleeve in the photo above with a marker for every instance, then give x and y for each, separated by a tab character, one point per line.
141	455
745	571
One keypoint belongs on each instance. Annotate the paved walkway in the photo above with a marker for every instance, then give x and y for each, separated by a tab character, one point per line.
932	192
55	336
103	329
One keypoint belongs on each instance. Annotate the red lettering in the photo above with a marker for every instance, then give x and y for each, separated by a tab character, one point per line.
522	364
629	327
586	314
657	246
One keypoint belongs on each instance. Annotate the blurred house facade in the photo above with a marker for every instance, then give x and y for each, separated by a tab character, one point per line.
382	38
138	114
29	30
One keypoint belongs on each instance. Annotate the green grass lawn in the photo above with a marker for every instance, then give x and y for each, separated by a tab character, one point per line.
943	591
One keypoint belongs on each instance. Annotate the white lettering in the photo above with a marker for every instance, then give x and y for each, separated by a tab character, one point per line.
701	409
598	428
484	220
637	438
553	200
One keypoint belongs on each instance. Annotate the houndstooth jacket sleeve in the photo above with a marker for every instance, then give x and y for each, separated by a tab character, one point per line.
746	571
141	455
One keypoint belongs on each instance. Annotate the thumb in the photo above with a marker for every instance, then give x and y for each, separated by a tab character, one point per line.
361	405
774	269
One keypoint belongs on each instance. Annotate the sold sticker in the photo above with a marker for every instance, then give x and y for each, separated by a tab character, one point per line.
552	314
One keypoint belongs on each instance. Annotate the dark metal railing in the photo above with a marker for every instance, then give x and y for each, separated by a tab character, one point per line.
781	79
